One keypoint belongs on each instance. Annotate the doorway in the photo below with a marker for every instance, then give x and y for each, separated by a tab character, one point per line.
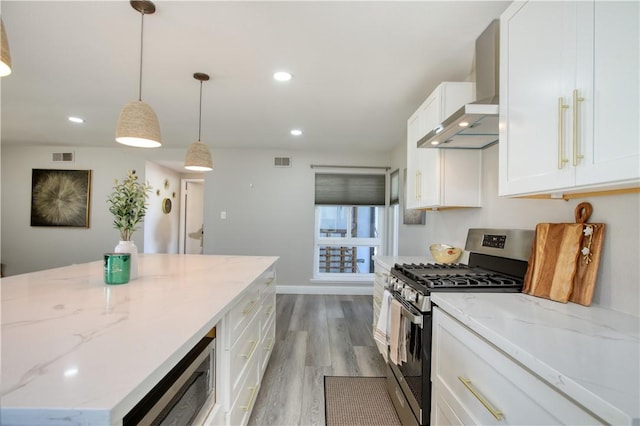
192	217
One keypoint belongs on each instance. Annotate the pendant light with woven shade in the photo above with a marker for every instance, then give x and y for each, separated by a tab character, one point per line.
138	124
5	54
198	156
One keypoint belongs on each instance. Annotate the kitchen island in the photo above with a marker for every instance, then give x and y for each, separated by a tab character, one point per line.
534	360
77	351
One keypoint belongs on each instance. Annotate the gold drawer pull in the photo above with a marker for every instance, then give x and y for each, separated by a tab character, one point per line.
269	347
561	108
253	393
250	308
467	383
254	344
269	311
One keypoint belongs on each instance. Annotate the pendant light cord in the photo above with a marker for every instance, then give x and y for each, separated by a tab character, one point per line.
141	47
200	114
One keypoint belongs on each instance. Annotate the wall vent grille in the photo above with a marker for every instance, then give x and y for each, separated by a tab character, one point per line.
282	161
63	157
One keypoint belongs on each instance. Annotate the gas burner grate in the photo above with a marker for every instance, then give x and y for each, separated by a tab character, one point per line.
468	280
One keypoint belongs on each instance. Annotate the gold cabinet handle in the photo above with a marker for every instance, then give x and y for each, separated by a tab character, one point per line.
269	311
576	118
269	347
561	108
254	345
418	185
467	383
253	394
250	308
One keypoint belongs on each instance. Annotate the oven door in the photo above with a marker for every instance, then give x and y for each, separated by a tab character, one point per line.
409	372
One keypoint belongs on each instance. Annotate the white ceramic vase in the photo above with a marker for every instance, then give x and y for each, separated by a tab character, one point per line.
129	247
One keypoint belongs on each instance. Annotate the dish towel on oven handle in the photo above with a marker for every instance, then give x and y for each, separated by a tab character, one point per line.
399	332
395	332
382	326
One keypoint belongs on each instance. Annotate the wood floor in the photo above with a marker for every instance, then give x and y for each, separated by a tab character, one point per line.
316	335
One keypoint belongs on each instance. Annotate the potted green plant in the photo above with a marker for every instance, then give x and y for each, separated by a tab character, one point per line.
128	205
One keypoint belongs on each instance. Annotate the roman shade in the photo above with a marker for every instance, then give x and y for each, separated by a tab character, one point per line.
350	189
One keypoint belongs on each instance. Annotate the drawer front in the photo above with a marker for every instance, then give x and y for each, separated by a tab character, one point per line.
244	353
267	311
485	381
247	393
267	344
268	285
243	312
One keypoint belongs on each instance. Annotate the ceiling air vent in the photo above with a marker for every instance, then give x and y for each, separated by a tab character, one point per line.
63	157
282	161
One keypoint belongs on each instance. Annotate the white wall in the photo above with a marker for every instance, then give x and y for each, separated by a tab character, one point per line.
270	211
618	282
161	230
25	248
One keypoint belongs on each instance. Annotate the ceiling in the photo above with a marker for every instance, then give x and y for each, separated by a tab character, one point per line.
359	69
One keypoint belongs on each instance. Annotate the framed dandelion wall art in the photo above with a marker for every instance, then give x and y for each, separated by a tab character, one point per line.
60	197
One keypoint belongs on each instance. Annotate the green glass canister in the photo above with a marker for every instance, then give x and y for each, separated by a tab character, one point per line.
117	267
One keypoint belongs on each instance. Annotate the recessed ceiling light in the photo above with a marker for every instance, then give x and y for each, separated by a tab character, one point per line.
296	132
282	76
76	120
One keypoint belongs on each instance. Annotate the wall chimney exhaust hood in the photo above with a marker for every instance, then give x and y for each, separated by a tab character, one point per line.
475	125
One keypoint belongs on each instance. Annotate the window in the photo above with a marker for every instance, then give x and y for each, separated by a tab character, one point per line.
349	219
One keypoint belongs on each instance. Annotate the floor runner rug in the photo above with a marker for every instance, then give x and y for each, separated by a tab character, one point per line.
358	401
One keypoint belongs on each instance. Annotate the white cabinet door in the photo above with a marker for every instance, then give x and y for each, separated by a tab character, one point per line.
610	135
569	102
537	69
435	178
414	172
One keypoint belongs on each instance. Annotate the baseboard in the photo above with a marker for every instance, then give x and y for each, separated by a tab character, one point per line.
325	289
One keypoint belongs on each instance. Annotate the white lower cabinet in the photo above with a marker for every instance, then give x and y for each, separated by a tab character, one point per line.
475	383
247	335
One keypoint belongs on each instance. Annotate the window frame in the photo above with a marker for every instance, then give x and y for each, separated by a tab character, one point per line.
347	241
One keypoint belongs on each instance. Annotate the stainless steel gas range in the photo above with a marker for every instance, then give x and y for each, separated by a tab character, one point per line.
498	260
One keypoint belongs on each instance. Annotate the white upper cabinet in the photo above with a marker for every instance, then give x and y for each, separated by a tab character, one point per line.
437	177
569	103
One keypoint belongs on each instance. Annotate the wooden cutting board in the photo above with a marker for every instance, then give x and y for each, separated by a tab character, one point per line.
558	269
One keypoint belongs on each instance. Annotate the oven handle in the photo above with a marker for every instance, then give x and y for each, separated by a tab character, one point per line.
409	311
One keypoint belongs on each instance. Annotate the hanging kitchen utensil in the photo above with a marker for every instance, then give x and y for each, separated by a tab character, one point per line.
564	259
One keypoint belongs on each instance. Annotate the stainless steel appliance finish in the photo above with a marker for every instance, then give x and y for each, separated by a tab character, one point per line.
185	395
475	125
497	263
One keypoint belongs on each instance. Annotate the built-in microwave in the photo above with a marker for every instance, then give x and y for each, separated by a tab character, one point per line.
185	395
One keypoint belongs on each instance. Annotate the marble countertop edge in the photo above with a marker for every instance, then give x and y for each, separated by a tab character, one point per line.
624	410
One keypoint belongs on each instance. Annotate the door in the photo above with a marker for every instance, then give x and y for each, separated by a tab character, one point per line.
192	234
610	129
538	63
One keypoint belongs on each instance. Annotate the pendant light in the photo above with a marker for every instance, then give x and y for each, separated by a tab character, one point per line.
5	55
138	125
198	155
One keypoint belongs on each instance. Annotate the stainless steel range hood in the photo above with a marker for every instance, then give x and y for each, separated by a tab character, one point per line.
475	125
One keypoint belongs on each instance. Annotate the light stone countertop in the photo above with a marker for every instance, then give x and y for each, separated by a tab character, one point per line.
590	353
77	351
